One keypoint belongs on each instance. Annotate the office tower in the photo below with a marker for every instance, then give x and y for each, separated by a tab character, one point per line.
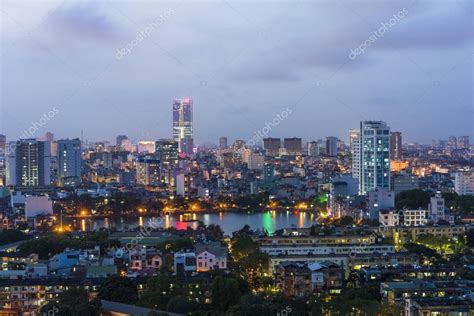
3	142
396	146
223	142
331	146
49	137
313	149
463	142
29	164
373	156
268	173
293	145
166	150
272	146
464	183
147	146
120	139
452	143
148	171
69	161
183	124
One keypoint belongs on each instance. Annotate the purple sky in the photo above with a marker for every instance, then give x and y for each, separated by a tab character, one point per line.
243	63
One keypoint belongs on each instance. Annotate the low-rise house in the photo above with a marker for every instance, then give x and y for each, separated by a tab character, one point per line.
210	256
327	276
184	262
142	257
294	279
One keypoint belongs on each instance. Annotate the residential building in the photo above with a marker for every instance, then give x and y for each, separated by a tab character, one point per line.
210	256
69	161
272	146
148	171
389	218
293	145
464	183
331	146
29	164
396	146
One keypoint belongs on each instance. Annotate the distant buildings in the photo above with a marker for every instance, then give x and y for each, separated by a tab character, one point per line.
223	142
183	124
463	142
148	171
331	146
272	146
396	146
146	146
69	161
293	145
464	183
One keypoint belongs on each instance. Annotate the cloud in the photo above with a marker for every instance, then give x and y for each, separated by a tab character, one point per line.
82	20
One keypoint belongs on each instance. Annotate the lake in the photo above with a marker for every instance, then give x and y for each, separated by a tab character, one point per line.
229	222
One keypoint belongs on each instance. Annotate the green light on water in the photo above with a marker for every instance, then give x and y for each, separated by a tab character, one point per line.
267	222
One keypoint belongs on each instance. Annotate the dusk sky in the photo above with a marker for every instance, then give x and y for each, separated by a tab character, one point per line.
114	67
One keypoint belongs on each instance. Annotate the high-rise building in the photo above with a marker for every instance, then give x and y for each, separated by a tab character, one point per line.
396	146
452	143
69	161
3	142
29	164
183	124
148	171
331	146
374	156
463	142
272	146
166	150
223	142
437	208
293	145
120	139
313	149
354	143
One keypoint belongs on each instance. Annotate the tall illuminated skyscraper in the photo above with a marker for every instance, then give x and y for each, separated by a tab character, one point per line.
29	163
183	124
373	156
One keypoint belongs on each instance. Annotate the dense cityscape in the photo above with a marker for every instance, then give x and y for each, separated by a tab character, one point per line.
236	158
374	226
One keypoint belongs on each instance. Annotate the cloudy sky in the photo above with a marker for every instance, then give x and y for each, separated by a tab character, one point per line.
114	67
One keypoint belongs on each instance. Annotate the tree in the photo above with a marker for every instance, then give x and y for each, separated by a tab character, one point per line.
11	235
74	302
225	293
118	289
412	199
181	305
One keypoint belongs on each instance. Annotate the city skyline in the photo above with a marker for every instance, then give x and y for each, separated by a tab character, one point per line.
413	72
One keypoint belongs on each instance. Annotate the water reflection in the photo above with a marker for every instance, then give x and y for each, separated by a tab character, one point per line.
229	222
